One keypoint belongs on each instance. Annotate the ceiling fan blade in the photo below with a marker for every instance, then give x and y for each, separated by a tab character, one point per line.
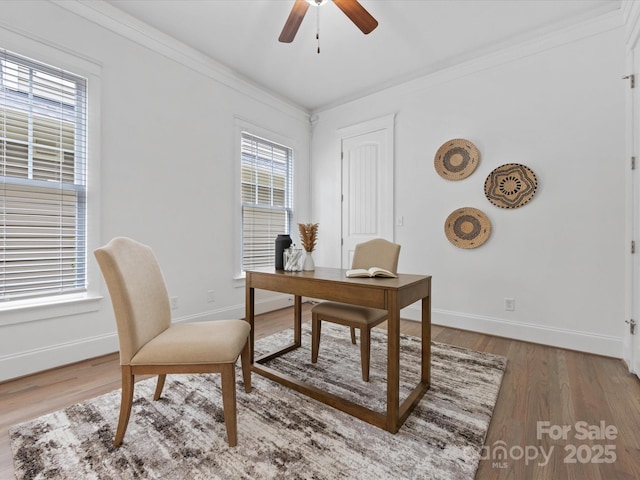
293	22
358	15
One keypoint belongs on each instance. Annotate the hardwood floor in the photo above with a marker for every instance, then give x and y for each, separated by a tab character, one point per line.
543	391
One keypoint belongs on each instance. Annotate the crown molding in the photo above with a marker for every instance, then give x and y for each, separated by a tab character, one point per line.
509	52
123	24
119	22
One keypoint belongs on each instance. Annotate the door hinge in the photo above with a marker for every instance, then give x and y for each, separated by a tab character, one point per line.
633	163
631	77
632	326
633	246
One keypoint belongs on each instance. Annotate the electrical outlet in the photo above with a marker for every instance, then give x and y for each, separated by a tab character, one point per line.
211	296
174	303
509	304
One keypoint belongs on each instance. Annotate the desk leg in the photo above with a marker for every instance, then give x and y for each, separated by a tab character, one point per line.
297	325
393	364
426	339
250	317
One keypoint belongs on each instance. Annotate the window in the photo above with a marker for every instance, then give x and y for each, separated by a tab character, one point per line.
43	117
266	185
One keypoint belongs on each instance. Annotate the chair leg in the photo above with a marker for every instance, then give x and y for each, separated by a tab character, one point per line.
229	402
316	327
159	386
365	351
246	367
125	404
353	335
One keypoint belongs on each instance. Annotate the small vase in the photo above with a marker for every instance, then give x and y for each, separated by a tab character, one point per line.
283	241
308	264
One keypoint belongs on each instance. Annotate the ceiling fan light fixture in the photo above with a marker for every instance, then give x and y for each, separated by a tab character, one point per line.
317	3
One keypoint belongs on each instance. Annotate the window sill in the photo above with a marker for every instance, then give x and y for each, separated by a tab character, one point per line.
239	281
43	309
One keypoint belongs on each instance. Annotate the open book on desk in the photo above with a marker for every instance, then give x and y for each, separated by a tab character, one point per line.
370	272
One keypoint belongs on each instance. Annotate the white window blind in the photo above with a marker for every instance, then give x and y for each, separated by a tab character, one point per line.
42	179
267	191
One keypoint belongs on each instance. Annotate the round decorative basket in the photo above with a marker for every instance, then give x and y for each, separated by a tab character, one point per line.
467	227
511	185
456	159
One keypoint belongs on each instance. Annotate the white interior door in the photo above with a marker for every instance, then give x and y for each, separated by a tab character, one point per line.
367	184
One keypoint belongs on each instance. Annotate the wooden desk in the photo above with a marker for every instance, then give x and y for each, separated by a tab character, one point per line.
332	284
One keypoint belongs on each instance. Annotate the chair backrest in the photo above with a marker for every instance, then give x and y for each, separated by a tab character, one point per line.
138	293
377	253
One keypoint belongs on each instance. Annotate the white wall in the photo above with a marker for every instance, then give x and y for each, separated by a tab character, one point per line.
555	105
166	164
167	153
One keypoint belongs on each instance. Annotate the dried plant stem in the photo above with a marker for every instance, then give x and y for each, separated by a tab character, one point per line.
308	235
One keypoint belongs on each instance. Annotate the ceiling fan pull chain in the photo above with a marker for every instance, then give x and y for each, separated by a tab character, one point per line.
318	29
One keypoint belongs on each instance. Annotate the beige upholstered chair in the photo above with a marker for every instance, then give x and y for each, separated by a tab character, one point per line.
151	344
374	253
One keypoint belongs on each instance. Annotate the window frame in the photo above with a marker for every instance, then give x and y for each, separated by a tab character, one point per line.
43	127
272	137
49	307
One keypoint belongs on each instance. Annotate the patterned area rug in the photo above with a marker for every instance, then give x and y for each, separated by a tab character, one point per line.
281	434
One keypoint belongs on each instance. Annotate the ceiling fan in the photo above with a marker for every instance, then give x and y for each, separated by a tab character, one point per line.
352	9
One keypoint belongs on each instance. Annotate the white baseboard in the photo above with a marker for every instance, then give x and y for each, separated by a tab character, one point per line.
551	336
39	359
31	361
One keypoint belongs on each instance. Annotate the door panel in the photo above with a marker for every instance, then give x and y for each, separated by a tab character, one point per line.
367	189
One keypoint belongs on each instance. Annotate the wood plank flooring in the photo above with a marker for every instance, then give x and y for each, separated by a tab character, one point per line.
562	388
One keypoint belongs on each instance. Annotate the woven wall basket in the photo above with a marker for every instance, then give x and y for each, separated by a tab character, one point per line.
511	185
467	227
456	159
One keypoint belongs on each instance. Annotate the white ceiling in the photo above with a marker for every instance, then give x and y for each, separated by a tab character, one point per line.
414	38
